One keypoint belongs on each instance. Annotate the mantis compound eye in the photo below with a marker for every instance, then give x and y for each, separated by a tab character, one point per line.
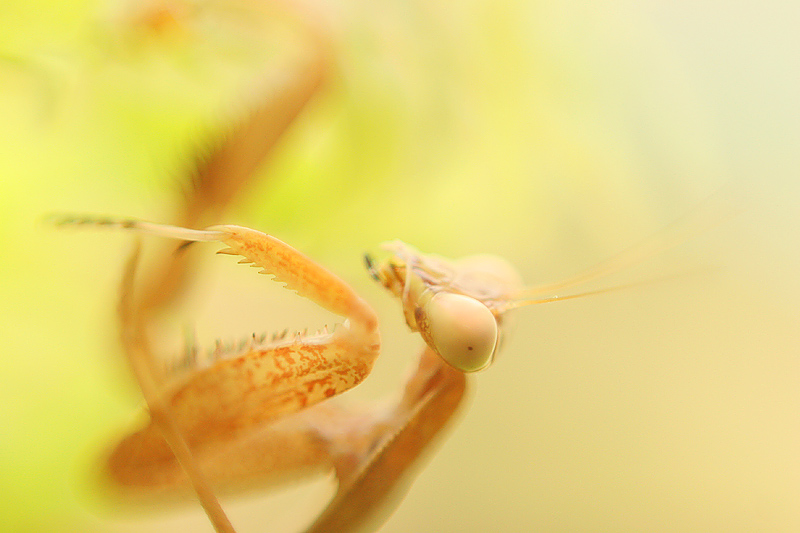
462	330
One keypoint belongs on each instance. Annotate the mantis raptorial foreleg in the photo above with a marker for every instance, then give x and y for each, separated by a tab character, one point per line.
264	382
372	476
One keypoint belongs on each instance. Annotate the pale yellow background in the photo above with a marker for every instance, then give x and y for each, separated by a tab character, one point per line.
552	133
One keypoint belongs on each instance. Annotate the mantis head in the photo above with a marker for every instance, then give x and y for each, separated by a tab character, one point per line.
451	304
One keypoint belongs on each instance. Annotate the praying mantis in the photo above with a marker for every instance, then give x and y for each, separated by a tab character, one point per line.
264	411
256	414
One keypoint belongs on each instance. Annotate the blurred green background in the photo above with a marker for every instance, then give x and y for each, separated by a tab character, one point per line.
554	134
